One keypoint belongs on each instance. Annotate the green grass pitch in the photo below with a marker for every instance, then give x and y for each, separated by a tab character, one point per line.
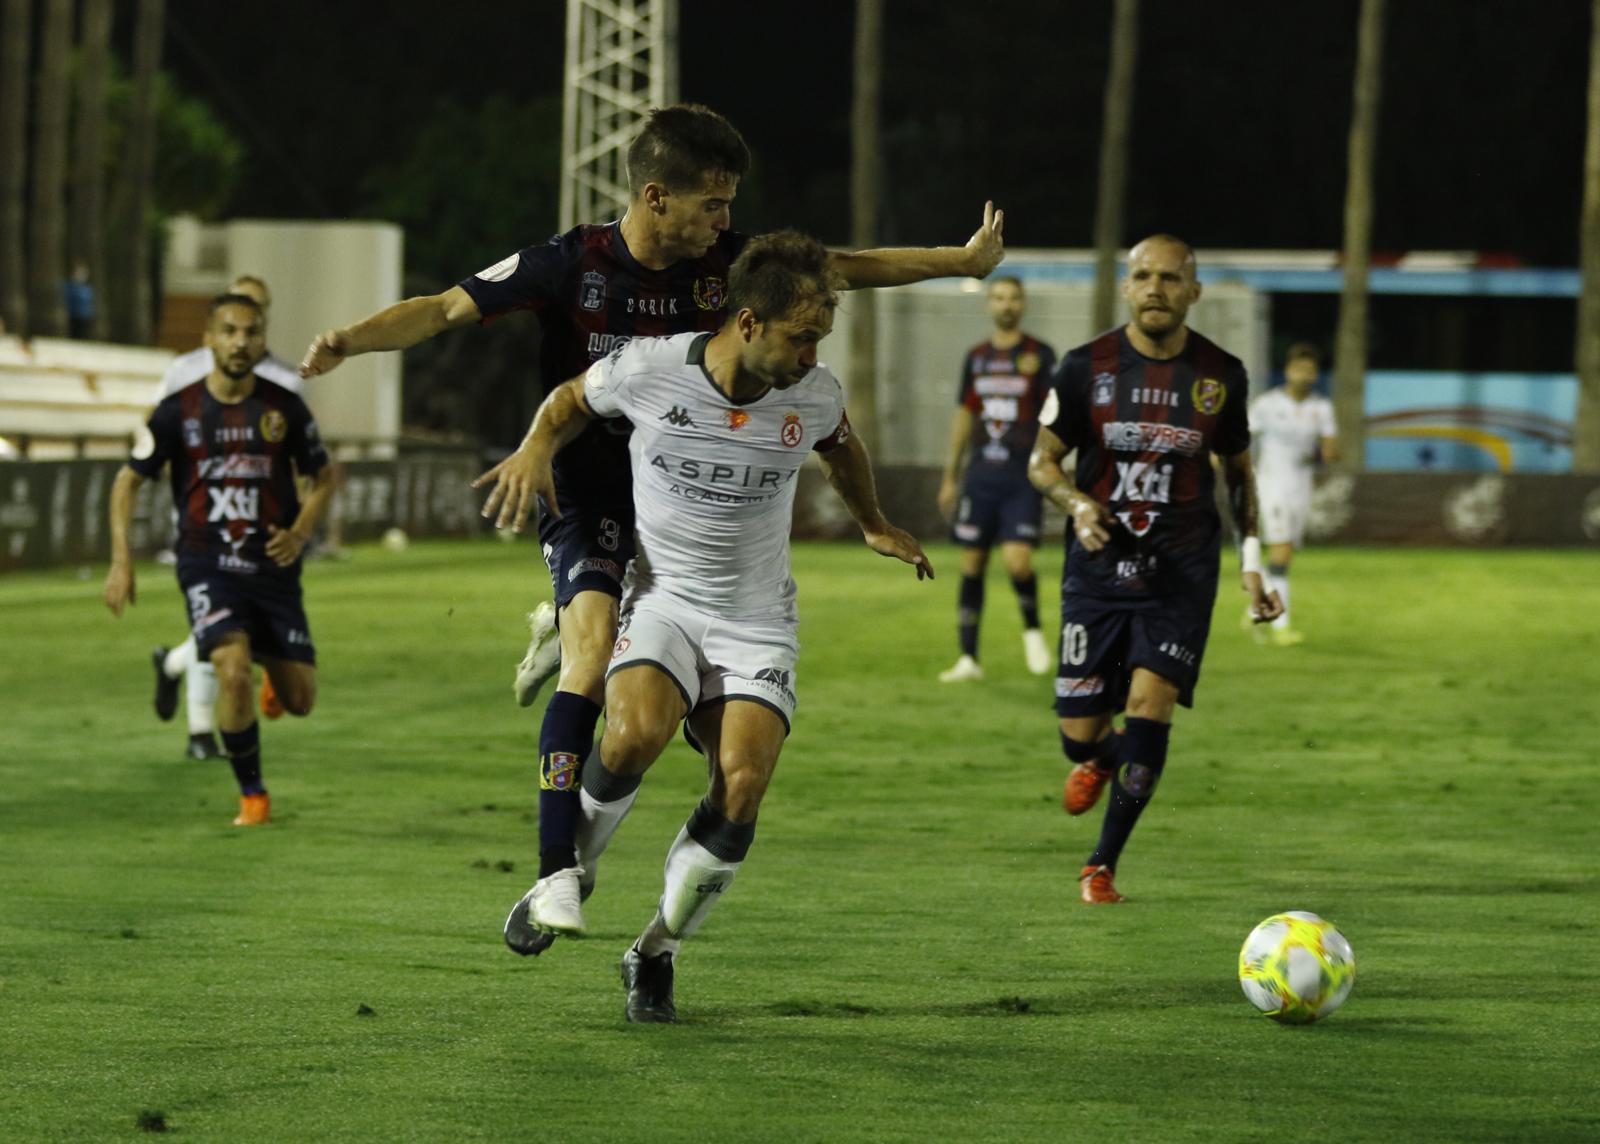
903	957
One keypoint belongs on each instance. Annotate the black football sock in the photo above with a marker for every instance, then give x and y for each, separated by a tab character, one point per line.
1028	597
969	612
565	739
244	754
1140	760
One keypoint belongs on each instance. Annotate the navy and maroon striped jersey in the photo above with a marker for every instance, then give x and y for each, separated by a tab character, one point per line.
591	297
1004	390
233	471
1145	431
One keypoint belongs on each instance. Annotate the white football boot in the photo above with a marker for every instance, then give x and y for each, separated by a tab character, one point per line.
1036	652
544	654
965	670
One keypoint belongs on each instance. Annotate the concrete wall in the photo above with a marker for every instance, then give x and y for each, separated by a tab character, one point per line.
326	274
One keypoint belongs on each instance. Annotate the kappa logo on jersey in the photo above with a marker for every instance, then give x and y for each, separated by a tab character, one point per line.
234	502
1028	363
558	771
1105	389
273	426
191	433
736	418
1137	521
1208	394
792	430
678	416
240	466
1142	481
592	291
710	292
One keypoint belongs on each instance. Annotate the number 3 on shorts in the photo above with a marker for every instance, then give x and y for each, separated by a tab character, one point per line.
610	533
1074	644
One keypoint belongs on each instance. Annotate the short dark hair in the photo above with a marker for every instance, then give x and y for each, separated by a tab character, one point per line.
254	280
774	272
1303	350
222	300
680	144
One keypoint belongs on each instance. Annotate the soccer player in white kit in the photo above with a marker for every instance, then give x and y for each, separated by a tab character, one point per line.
723	423
1294	430
181	662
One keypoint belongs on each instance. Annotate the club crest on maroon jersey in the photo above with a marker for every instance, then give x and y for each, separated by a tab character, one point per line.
1105	388
592	291
710	292
1208	395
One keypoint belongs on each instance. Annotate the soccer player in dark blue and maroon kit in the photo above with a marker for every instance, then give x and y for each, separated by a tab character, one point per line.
661	269
235	443
1146	407
1003	380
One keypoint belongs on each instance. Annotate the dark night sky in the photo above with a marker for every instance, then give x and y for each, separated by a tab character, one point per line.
1239	125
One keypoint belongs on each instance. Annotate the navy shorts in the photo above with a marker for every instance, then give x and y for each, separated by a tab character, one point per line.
992	514
588	547
269	610
1102	641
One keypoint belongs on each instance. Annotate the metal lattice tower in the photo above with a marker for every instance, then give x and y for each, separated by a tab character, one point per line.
622	60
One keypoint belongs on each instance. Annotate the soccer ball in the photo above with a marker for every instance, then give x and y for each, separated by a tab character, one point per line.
1296	968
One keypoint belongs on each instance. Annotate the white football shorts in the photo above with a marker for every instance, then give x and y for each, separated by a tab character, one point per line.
1283	516
711	659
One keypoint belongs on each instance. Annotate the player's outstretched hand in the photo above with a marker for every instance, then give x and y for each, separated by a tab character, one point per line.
120	590
520	482
1264	606
284	545
949	497
327	350
897	542
987	246
1091	522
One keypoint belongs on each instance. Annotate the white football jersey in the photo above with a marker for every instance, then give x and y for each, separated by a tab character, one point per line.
186	369
713	479
1288	436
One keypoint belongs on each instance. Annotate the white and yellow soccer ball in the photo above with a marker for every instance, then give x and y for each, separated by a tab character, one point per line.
1296	968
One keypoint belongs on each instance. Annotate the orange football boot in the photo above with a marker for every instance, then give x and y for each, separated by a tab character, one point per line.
1084	784
271	705
254	810
1097	887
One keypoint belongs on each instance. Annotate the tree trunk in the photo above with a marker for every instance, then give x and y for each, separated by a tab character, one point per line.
1350	351
15	36
86	226
130	270
1586	438
52	99
865	169
1114	131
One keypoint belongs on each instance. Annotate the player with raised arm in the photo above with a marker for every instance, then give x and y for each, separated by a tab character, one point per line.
1003	381
1145	406
722	426
662	269
1294	431
235	443
181	662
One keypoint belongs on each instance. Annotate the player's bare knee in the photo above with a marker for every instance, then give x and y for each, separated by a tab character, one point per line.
633	740
1158	707
742	786
299	699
